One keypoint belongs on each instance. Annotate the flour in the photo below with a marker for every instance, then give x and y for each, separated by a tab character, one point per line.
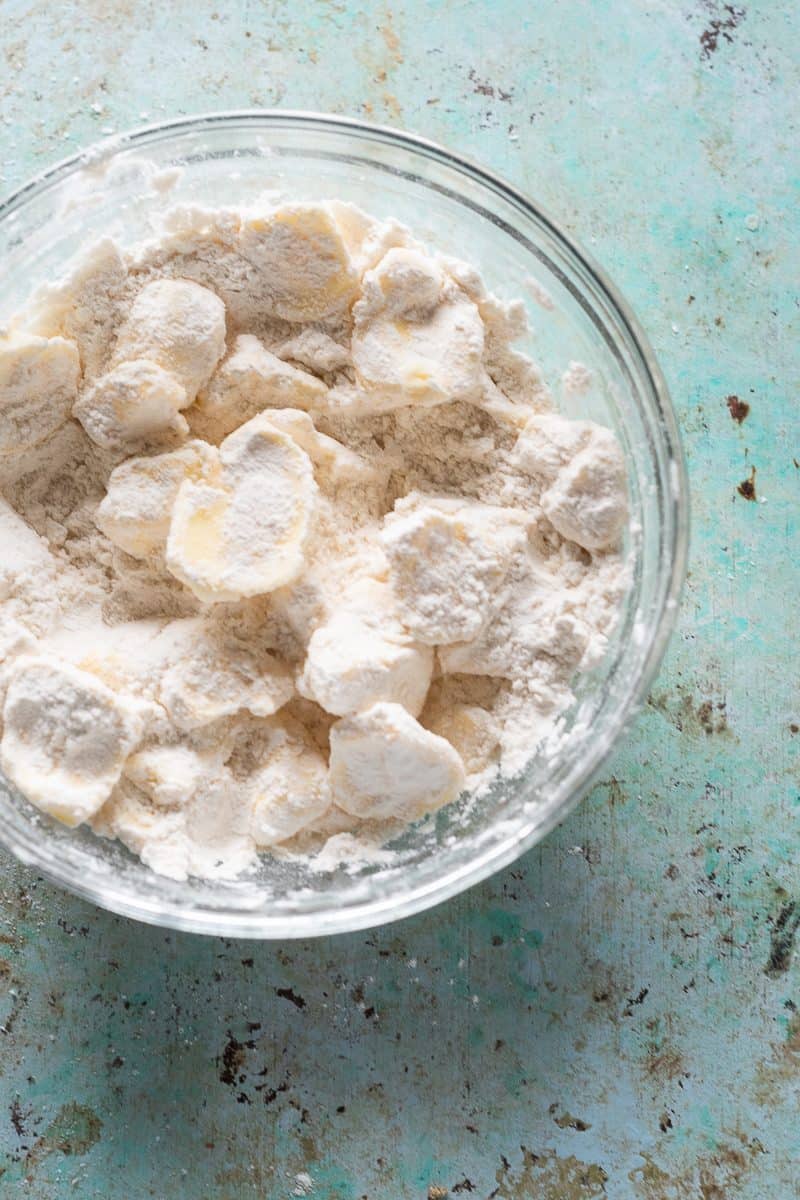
295	547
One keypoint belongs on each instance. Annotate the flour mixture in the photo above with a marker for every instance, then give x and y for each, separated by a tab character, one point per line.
294	546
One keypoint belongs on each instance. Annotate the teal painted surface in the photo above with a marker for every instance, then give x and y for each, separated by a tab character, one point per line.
619	1013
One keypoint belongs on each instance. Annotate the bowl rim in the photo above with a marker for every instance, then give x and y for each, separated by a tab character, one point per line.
375	911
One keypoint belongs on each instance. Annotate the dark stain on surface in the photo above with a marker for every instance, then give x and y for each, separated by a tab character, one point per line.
747	487
482	87
782	940
271	1094
232	1061
688	716
614	793
19	1002
18	1117
291	996
635	1001
738	409
712	717
466	1185
720	27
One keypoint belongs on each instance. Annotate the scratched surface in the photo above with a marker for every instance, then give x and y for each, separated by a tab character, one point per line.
619	1014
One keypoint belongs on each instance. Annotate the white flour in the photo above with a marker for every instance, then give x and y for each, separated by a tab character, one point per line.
294	547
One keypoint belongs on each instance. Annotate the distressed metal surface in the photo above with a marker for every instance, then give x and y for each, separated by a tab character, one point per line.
617	1014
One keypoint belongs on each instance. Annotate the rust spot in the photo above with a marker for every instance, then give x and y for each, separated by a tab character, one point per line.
665	1061
794	728
721	26
73	1130
392	105
784	1067
566	1120
782	940
747	487
391	40
737	408
715	1176
547	1176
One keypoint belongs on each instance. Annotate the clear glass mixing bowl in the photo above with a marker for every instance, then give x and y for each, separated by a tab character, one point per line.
575	314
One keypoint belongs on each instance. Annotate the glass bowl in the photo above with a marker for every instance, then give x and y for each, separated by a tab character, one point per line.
575	314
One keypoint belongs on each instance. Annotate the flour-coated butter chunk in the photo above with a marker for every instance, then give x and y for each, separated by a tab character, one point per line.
302	258
219	674
38	386
180	326
291	789
405	283
547	443
15	640
24	555
207	836
245	534
154	832
169	775
416	341
136	510
366	238
66	737
446	567
339	461
218	839
252	379
133	401
316	350
532	636
361	654
384	764
587	502
471	730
